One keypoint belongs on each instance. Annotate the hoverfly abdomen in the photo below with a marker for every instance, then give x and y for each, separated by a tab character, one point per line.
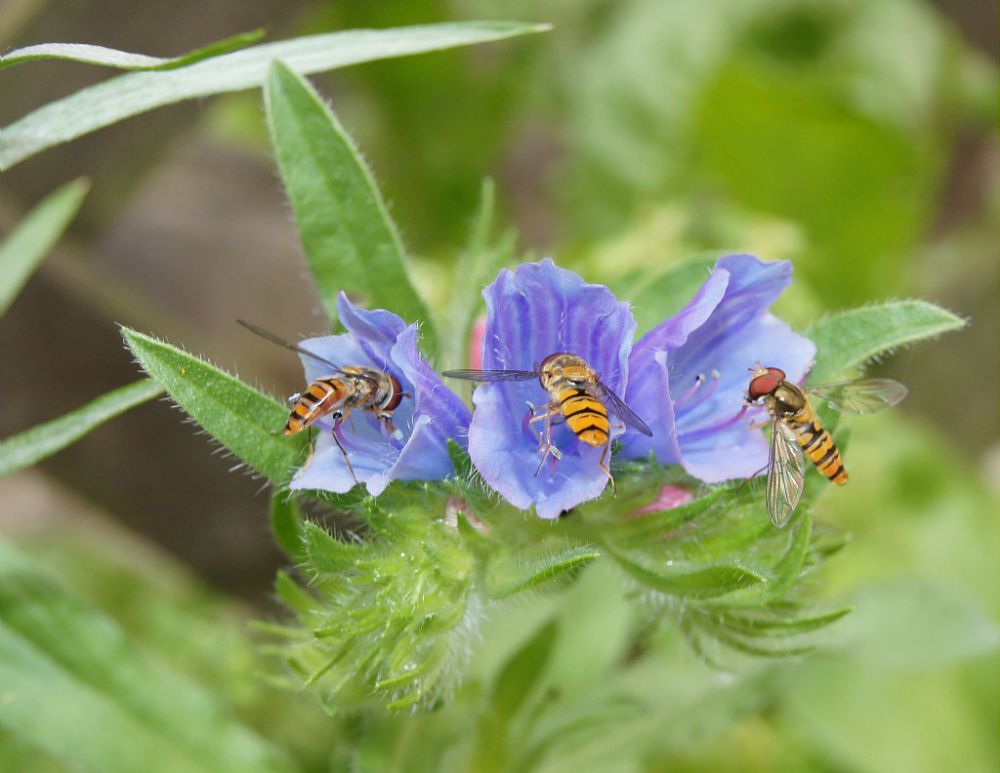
586	417
817	444
316	401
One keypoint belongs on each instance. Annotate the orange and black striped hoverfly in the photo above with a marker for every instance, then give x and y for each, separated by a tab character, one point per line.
577	396
796	430
346	388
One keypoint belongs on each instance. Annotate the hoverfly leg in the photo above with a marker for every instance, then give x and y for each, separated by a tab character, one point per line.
546	445
607	470
338	420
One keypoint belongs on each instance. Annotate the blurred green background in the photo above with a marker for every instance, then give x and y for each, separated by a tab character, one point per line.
855	137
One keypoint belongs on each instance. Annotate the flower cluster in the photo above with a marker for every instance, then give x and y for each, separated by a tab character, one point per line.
541	437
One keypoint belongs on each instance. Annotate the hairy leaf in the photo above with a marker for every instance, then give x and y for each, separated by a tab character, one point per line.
851	338
76	686
245	421
520	673
513	574
33	239
702	583
46	439
348	237
110	57
128	95
287	524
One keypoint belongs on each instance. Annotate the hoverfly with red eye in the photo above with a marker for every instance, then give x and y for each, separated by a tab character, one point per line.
576	395
346	388
796	430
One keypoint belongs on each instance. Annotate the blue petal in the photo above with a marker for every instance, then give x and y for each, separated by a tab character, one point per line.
707	428
536	311
649	385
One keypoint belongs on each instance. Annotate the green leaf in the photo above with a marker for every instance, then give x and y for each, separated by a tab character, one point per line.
349	239
851	338
76	686
46	439
758	625
513	573
245	421
520	673
324	554
704	583
128	95
787	569
287	524
110	57
32	240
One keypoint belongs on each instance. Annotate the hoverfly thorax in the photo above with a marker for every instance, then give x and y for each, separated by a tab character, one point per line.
564	369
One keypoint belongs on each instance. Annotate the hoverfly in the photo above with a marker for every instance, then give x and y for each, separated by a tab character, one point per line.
577	396
346	388
796	430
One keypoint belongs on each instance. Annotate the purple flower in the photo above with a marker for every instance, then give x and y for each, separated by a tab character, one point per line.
533	312
426	418
690	373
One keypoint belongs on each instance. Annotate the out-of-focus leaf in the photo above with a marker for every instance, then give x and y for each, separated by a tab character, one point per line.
513	574
349	239
123	60
76	686
911	623
245	421
31	241
708	582
122	97
850	339
46	439
520	673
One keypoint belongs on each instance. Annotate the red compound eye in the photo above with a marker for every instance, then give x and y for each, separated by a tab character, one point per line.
778	373
763	385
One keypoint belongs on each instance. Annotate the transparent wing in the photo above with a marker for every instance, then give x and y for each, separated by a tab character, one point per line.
491	375
627	414
785	474
861	397
267	335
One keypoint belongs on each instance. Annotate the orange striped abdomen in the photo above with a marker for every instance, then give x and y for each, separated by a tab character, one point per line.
318	399
817	444
586	416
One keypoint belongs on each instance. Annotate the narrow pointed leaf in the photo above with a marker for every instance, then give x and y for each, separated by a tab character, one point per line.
123	60
76	686
851	338
348	237
703	583
244	420
750	625
513	574
46	439
128	95
24	249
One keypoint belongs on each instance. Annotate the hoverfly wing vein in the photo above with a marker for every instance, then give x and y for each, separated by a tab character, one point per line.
861	397
621	408
491	376
785	474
